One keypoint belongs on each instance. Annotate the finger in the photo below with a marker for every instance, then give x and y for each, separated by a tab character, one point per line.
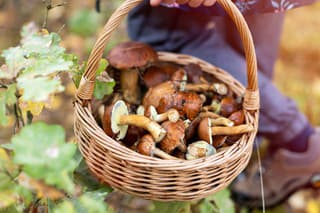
209	3
155	2
182	1
195	3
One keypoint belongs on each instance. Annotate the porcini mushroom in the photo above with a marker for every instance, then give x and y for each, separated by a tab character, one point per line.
147	146
206	130
199	149
120	119
174	137
128	57
171	115
188	104
225	107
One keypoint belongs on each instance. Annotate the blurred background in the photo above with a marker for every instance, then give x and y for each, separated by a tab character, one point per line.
297	69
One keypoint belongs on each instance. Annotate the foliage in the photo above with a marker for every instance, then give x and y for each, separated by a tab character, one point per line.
40	169
84	22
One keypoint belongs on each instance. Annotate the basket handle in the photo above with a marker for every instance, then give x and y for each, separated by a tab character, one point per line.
251	97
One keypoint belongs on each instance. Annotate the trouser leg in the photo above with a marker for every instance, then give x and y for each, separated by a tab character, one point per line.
204	37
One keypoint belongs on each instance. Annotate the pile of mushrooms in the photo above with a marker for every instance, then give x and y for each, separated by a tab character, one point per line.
167	110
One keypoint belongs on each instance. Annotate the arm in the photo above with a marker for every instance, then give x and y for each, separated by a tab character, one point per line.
191	3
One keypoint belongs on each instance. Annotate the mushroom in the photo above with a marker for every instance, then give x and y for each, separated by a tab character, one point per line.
147	146
128	57
154	94
194	72
171	115
237	117
120	119
219	88
221	121
154	75
179	79
188	104
206	130
225	107
174	137
199	149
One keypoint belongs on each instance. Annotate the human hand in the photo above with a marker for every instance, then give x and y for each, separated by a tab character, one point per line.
191	3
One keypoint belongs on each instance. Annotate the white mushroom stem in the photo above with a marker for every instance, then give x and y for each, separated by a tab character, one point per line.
221	121
157	132
233	130
219	88
171	115
140	110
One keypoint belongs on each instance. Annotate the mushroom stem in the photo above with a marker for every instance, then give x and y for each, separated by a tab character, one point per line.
157	132
209	115
162	154
219	88
129	80
171	115
221	121
146	146
233	130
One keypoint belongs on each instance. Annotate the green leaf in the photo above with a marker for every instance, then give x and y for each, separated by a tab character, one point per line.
7	98
15	61
65	206
43	153
171	207
218	202
38	89
103	63
84	22
103	88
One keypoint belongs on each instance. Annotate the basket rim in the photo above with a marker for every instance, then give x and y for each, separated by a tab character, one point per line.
124	153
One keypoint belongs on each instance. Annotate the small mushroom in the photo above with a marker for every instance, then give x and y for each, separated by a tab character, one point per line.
199	149
219	88
120	119
174	137
188	104
206	130
147	146
194	72
225	107
154	94
237	117
171	115
129	57
228	106
179	79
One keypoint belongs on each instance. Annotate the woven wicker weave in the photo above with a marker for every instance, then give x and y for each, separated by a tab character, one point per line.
154	178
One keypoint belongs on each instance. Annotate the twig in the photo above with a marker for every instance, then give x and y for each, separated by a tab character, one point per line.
48	7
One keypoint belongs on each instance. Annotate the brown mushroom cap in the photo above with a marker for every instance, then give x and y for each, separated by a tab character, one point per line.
131	54
237	117
174	136
146	145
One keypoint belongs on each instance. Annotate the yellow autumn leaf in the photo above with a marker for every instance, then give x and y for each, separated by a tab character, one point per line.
7	198
40	188
6	162
34	107
313	206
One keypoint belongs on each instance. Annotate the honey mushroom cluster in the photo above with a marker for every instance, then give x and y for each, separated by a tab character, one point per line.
167	110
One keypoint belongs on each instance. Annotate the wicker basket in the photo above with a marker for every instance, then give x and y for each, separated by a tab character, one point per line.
153	178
